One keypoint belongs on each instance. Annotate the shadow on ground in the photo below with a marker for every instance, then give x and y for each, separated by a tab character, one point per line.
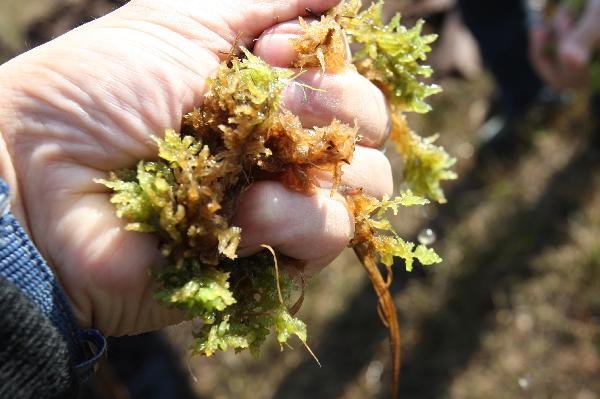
450	336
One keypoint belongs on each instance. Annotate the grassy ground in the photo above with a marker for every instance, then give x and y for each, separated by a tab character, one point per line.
513	312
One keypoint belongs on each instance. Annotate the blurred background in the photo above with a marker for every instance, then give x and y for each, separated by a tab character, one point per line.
514	309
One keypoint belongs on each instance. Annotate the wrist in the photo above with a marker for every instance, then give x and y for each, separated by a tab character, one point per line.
23	267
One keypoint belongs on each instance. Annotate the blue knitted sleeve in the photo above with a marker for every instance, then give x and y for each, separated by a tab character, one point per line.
23	266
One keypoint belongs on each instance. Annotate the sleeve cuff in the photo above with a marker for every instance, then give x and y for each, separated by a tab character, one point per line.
23	266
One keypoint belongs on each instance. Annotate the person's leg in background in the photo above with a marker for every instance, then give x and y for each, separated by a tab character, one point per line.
500	28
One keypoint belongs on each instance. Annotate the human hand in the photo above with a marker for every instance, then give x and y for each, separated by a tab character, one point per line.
89	101
561	49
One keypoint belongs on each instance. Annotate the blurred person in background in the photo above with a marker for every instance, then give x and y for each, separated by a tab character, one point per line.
564	51
528	54
562	46
501	30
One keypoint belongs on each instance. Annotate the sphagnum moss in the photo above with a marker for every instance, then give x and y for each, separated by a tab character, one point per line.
187	196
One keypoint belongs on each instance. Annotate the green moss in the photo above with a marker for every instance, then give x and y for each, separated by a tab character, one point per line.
374	229
426	165
256	312
188	194
391	56
202	293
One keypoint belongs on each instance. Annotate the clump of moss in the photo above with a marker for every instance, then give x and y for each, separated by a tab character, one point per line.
322	45
373	229
426	165
240	303
187	198
375	241
391	57
240	133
